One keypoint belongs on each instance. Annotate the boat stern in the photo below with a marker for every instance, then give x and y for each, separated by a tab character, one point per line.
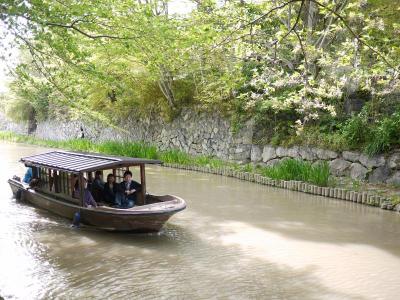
16	187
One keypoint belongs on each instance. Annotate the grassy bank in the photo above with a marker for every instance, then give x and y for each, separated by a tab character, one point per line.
292	169
287	170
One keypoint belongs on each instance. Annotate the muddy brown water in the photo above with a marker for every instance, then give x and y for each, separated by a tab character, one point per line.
235	240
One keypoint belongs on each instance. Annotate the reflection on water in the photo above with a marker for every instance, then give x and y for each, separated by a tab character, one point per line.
236	240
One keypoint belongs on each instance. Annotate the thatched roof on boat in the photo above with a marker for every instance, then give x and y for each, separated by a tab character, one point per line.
76	162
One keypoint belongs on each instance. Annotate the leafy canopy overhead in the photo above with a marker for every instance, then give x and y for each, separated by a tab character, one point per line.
108	59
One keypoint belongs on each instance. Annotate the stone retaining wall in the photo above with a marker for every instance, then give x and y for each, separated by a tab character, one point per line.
192	132
210	134
376	169
8	125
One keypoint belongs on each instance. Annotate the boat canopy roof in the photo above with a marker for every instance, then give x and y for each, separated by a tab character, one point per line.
77	162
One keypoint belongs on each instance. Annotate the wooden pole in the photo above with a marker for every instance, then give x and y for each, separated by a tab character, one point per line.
50	180
41	176
72	180
35	172
81	188
143	183
69	176
65	183
56	181
62	190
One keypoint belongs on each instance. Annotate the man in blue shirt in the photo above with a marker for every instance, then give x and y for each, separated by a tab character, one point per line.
28	175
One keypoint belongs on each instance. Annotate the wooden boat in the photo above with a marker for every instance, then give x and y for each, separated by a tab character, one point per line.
55	192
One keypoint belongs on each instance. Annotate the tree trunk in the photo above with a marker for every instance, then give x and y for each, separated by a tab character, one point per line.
165	84
310	17
32	123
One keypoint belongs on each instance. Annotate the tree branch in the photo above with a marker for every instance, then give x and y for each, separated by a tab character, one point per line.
305	57
294	25
73	27
354	34
320	42
252	23
340	17
91	36
255	21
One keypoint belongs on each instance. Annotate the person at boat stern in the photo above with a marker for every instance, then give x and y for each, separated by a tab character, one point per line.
88	200
128	188
28	175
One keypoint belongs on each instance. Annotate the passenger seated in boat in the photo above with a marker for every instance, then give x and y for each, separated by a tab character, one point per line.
74	183
34	183
110	190
126	196
28	175
98	187
88	200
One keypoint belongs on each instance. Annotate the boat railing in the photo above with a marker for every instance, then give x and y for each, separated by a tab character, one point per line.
58	196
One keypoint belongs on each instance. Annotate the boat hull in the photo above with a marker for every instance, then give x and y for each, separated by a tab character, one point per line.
146	218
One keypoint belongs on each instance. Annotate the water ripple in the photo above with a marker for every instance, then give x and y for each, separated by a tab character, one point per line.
236	240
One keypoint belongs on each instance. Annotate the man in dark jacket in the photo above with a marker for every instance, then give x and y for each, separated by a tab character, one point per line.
110	190
98	187
128	190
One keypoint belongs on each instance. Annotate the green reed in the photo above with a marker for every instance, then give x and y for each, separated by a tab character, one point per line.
293	169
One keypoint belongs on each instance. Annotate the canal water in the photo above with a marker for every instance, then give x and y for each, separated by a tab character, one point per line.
235	240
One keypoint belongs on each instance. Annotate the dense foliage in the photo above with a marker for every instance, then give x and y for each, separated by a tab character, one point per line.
302	69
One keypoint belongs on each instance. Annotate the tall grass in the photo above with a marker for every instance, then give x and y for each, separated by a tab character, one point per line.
292	169
209	161
136	149
175	156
